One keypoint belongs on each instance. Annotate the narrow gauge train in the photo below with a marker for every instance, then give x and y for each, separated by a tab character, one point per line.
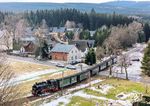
49	86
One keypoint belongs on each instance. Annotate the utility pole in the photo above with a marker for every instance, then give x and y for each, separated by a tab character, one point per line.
81	66
62	82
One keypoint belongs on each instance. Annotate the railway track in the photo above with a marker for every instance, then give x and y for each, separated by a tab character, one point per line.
81	78
33	100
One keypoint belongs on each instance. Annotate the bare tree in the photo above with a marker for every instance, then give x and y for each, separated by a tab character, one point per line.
7	40
124	62
70	24
10	22
122	36
100	53
112	43
44	25
20	29
42	30
40	34
8	91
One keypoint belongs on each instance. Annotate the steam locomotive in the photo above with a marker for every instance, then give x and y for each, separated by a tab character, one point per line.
53	85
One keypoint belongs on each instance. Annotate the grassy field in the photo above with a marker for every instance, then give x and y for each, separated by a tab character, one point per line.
79	101
20	67
120	86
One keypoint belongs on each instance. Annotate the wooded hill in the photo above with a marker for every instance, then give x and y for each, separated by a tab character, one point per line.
89	21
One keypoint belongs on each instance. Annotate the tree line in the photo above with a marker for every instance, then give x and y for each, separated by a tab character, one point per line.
91	20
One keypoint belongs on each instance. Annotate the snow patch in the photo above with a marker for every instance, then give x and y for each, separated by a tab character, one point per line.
84	85
67	98
64	99
104	89
123	95
122	102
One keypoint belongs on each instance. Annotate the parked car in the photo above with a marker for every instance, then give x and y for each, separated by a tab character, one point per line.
70	67
135	59
76	62
60	65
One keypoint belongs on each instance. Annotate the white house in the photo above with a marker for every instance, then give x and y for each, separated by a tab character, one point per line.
65	52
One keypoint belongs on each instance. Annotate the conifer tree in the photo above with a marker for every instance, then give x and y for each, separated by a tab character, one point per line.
90	58
146	61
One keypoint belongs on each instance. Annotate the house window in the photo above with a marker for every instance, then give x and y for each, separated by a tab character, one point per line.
72	51
72	57
75	57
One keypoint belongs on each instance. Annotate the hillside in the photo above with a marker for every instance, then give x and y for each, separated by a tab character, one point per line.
122	7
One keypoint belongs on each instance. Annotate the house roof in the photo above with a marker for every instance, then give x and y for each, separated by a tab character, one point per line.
62	48
83	44
31	38
58	29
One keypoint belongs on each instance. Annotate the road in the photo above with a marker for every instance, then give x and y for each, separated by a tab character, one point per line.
46	62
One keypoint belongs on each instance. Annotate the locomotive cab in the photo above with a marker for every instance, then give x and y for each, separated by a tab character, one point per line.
40	88
53	85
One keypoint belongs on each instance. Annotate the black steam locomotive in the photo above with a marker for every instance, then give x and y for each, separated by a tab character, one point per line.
50	86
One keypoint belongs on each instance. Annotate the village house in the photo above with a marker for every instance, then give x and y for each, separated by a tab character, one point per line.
28	48
68	53
83	45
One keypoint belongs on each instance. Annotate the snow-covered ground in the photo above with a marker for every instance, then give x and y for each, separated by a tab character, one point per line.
123	95
134	70
102	88
84	85
67	98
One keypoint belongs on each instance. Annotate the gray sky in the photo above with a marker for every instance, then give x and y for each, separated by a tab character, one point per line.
63	1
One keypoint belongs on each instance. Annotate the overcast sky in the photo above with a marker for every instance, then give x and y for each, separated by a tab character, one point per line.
63	1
